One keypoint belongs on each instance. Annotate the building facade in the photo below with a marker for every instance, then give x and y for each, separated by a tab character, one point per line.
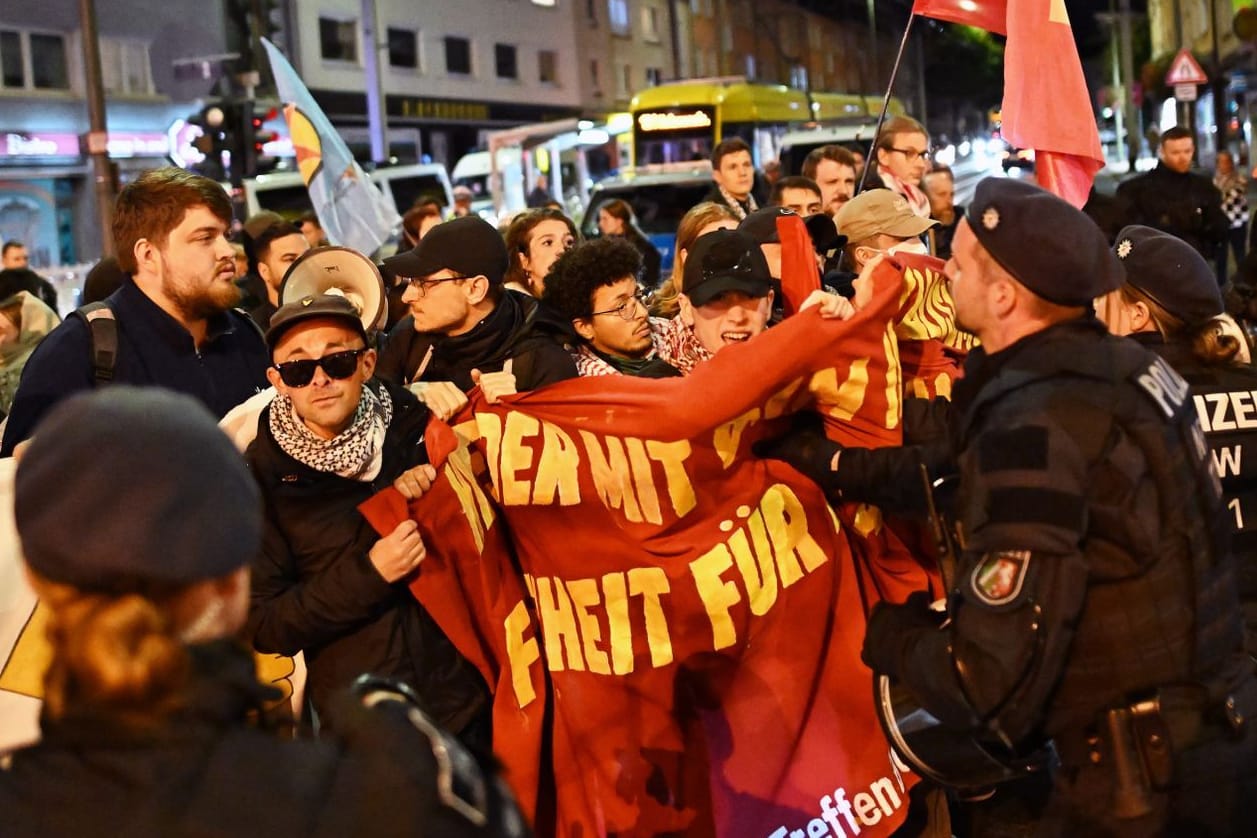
153	74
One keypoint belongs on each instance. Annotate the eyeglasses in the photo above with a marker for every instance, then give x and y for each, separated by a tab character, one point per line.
422	286
910	154
627	309
338	365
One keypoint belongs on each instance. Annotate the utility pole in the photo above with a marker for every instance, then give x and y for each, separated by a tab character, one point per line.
376	120
1221	115
877	74
1134	120
98	136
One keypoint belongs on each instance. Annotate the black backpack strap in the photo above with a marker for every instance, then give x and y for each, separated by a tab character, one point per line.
102	327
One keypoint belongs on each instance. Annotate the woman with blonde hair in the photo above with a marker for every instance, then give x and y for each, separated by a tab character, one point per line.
151	704
702	218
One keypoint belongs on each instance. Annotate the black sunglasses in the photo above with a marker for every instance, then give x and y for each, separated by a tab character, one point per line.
338	365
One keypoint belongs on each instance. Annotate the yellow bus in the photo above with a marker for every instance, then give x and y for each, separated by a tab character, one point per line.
683	120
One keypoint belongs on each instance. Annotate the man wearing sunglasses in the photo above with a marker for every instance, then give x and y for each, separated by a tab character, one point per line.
594	285
324	583
462	320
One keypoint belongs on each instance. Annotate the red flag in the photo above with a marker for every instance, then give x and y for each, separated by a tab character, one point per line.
1046	103
984	14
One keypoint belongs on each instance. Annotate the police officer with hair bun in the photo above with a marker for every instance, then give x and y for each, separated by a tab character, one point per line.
1092	613
1170	303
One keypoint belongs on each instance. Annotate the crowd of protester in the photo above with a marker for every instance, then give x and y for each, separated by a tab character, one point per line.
1059	490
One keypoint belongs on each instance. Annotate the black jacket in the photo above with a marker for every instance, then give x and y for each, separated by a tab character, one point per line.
315	590
154	350
519	327
209	772
1183	204
1226	406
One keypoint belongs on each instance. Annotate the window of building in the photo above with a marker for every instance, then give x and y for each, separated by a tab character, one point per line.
654	76
650	23
750	66
595	76
505	62
618	16
726	37
591	12
338	39
33	60
798	77
125	67
457	55
403	48
548	66
624	84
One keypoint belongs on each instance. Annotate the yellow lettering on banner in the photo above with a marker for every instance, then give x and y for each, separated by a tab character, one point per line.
558	625
522	652
584	594
786	522
531	584
672	456
728	437
610	472
491	432
643	479
516	457
619	630
476	507
718	595
942	385
779	404
756	565
558	470
651	583
894	386
850	395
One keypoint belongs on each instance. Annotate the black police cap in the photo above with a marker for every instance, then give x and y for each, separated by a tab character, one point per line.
1047	244
128	485
1170	271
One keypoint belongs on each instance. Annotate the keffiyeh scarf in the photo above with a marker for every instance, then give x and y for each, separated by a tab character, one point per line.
354	453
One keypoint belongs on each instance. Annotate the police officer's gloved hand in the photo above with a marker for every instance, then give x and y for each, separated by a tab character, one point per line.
805	447
891	628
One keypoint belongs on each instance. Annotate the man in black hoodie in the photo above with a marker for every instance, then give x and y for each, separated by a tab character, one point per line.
462	319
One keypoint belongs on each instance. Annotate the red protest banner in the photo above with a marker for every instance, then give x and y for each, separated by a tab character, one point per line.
698	612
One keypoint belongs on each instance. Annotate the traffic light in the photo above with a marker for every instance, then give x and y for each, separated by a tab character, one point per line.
258	161
215	127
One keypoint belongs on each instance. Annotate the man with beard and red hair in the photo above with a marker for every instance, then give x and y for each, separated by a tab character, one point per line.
174	318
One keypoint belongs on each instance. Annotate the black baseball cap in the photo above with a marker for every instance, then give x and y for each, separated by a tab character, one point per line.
725	260
469	245
312	306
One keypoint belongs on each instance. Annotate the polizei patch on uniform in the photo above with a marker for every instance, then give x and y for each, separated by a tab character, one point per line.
998	577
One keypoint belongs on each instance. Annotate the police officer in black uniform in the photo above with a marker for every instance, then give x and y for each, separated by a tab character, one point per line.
1093	604
137	519
1170	303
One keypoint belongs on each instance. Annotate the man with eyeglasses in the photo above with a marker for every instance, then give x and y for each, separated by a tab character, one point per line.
594	285
324	584
903	150
463	323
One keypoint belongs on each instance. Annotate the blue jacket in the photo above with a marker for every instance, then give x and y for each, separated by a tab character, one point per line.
153	350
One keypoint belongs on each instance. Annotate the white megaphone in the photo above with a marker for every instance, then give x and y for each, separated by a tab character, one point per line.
341	271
